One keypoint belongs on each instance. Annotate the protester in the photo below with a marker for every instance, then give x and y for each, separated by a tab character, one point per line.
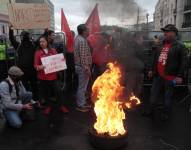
60	48
15	99
169	62
50	36
83	62
135	72
102	53
25	60
50	90
70	72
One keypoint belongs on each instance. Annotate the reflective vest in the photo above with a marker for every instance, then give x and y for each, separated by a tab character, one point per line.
2	52
188	44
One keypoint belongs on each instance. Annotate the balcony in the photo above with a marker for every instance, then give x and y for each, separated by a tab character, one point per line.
186	24
187	7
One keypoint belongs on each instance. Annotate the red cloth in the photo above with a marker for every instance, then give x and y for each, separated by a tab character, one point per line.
102	52
37	62
66	29
93	24
162	62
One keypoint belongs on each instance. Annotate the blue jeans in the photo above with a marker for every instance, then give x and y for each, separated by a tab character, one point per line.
157	85
83	79
13	116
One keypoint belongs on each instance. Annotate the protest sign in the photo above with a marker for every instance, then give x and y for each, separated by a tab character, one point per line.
29	16
54	63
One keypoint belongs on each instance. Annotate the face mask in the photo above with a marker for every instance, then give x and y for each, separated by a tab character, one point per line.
16	79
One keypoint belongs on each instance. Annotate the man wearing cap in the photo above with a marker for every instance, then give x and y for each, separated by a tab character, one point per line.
14	98
169	62
83	62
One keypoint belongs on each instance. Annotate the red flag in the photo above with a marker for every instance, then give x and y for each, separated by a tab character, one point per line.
93	22
66	29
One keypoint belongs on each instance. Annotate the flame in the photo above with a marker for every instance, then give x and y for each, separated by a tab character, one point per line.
107	91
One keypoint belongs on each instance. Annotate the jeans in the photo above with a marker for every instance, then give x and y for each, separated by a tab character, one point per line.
83	79
157	85
13	116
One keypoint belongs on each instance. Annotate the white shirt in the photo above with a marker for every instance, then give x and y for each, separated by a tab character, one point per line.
45	50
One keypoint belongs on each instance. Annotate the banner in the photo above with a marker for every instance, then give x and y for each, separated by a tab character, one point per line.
54	63
93	22
66	29
29	16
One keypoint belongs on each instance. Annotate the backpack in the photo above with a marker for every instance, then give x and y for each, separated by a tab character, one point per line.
10	91
9	84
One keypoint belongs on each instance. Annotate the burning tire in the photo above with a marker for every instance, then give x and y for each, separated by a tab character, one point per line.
106	142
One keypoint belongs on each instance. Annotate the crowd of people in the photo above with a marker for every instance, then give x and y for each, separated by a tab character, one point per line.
27	85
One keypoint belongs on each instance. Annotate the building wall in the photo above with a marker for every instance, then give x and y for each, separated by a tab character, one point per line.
158	15
165	13
173	12
4	19
51	6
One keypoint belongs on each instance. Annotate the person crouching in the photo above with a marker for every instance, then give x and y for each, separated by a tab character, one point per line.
15	99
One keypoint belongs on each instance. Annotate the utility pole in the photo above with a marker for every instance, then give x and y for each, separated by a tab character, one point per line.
147	16
138	14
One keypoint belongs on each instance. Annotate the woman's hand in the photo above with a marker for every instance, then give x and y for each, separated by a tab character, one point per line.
41	67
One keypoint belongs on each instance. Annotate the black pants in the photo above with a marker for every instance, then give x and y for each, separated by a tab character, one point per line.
29	81
70	72
51	92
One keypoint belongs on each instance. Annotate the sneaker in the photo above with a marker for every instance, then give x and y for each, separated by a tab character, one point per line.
63	109
87	106
82	109
47	110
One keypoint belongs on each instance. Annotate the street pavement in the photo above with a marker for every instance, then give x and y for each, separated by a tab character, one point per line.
70	131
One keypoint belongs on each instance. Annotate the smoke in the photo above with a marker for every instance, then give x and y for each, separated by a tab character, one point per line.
128	50
116	12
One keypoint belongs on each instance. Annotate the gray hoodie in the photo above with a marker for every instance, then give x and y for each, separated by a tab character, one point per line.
9	100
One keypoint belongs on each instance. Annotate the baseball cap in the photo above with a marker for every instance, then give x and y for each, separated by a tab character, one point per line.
15	71
170	27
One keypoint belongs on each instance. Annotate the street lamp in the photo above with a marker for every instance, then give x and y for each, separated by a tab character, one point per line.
147	16
138	14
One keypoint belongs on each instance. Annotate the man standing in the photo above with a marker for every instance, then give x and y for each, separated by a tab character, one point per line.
169	64
83	62
25	60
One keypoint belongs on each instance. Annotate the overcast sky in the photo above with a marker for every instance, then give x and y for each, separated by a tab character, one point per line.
76	14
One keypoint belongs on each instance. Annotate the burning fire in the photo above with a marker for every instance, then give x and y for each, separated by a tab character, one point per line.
108	91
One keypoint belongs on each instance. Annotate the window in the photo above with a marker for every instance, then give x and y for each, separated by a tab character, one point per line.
187	5
3	29
187	20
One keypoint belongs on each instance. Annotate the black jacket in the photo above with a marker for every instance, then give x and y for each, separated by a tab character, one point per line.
25	51
176	61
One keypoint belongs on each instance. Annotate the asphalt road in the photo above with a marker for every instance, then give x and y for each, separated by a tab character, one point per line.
70	132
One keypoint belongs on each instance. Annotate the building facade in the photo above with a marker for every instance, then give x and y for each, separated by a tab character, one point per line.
177	12
165	13
4	19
